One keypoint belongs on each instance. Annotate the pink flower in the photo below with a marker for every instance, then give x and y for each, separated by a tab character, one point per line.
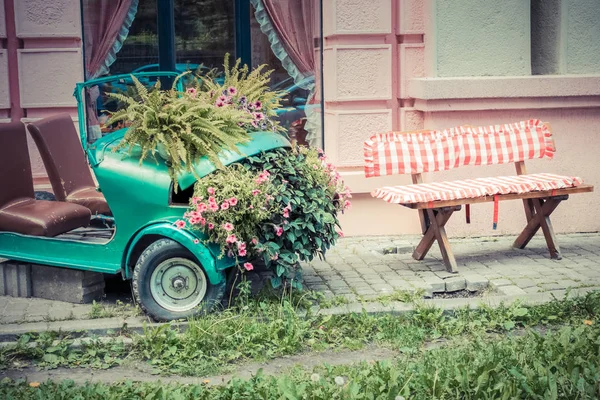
219	103
180	224
340	234
213	207
286	213
231	239
275	257
254	241
202	207
211	190
232	91
194	220
259	116
347	204
212	200
196	241
254	124
211	226
255	192
228	226
278	230
248	266
241	245
196	200
192	92
242	253
202	221
258	105
222	98
225	205
251	207
232	201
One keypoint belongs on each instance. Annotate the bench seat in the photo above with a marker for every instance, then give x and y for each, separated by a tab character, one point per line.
474	188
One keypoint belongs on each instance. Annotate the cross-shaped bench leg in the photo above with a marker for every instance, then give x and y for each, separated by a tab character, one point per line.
540	218
436	231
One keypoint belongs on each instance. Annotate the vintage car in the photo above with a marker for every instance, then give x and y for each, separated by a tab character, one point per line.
120	220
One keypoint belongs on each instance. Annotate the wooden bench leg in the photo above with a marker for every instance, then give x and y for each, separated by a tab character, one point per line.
541	219
436	231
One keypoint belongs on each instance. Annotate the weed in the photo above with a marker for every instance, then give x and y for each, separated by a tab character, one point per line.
120	309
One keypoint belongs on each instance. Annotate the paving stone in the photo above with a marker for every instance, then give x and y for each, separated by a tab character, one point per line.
533	289
496	283
511	290
399	284
476	282
364	291
437	284
455	284
444	274
525	283
564	284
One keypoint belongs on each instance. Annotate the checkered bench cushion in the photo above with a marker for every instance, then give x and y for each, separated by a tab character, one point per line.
429	151
472	188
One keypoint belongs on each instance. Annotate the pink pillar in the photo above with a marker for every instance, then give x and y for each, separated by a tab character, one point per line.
12	46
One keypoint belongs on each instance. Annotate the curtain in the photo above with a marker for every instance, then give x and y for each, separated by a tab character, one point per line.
106	25
290	26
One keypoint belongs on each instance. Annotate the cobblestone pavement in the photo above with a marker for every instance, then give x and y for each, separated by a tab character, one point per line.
358	270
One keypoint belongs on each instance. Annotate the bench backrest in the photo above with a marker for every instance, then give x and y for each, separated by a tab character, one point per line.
430	151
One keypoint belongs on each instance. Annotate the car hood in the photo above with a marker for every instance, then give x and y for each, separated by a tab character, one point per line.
259	142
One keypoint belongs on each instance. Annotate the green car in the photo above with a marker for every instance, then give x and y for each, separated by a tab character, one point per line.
174	274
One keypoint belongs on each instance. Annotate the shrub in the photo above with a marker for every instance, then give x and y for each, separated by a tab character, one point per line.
285	209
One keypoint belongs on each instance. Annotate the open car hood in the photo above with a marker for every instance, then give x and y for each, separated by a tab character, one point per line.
259	142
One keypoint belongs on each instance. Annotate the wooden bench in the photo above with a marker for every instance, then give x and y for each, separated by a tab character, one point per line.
419	152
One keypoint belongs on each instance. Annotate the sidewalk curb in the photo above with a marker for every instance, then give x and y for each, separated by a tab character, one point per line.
111	326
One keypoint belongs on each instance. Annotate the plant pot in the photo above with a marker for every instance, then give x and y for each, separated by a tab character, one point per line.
162	151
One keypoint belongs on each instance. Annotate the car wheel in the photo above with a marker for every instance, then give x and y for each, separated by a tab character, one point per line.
169	283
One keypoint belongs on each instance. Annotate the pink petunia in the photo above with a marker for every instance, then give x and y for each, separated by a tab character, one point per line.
255	192
180	224
192	92
251	207
232	91
213	207
202	221
233	201
222	98
286	213
211	190
219	103
347	204
258	105
196	200
278	230
254	241
248	266
254	124
202	207
340	234
228	226
225	205
211	226
241	245
242	253
212	200
196	241
275	257
259	116
231	239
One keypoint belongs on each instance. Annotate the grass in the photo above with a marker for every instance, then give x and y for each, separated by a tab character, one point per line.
266	328
119	309
561	364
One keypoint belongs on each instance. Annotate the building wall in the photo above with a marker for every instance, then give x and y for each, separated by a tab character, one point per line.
410	64
40	62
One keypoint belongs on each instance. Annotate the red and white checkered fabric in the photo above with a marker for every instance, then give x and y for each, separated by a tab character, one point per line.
429	151
472	188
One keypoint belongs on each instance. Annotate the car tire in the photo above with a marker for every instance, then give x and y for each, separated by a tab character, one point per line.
169	283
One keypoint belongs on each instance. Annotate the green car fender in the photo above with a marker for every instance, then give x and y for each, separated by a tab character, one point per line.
184	238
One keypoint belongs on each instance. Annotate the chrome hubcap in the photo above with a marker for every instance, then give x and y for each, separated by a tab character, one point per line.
178	284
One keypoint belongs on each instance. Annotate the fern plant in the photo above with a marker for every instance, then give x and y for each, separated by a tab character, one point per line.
185	125
247	91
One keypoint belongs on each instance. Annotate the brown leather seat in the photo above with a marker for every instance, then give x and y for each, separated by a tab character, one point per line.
19	211
67	168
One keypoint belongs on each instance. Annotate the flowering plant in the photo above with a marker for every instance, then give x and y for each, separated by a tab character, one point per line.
248	92
279	205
